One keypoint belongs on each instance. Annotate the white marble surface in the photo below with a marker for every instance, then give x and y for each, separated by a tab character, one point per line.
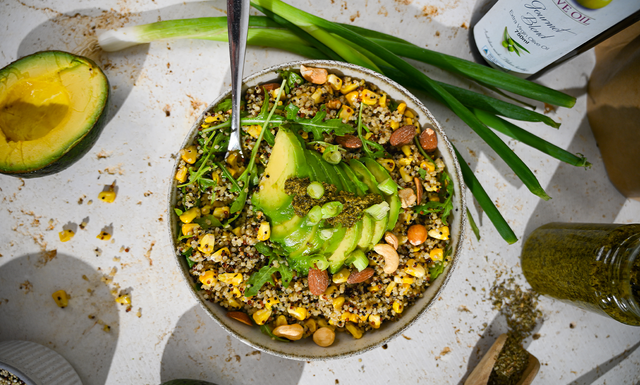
174	338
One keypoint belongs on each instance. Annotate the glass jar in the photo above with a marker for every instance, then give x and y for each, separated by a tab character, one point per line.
593	266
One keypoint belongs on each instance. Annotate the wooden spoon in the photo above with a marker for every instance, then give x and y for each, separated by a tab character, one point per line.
481	373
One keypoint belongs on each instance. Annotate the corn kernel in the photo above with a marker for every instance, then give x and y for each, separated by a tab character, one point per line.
434	198
261	316
374	321
181	175
406	149
269	302
405	161
355	331
383	100
398	307
363	318
346	88
215	176
304	135
389	289
402	107
208	278
394	125
299	313
405	288
254	130
352	98
189	215
330	290
221	212
218	255
427	166
317	96
405	176
406	280
281	320
346	316
338	302
335	82
345	113
189	154
369	97
374	288
124	299
107	196
409	114
236	292
441	233
341	276
205	210
61	298
368	135
264	232
414	269
237	231
311	325
66	235
388	164
234	303
407	121
190	228
206	243
436	255
213	119
231	279
104	236
322	323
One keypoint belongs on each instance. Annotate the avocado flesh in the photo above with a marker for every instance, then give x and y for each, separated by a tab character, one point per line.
328	171
366	235
286	160
314	165
53	106
331	244
379	229
310	244
365	176
394	201
361	188
348	244
344	179
280	231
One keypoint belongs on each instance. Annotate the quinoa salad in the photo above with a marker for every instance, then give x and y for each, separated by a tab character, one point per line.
336	218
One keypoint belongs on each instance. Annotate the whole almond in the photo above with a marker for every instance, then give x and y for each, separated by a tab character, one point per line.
349	141
403	135
240	316
270	86
416	180
318	281
360	276
428	138
417	234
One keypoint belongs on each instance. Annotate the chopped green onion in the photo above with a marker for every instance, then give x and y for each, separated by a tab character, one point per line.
388	187
358	259
332	155
326	233
378	211
315	190
331	209
320	262
314	216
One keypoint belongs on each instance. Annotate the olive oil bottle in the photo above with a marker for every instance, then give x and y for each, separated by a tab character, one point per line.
528	37
593	266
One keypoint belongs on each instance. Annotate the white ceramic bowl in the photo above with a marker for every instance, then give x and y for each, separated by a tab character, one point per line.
36	364
345	345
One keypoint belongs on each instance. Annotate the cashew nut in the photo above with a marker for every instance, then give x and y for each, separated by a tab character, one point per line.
407	197
314	75
293	332
391	239
324	337
391	258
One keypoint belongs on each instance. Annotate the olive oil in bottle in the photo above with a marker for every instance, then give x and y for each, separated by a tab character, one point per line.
530	36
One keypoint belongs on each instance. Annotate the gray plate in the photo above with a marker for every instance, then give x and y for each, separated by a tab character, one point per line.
345	345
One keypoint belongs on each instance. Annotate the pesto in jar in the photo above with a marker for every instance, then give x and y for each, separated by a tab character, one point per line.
594	266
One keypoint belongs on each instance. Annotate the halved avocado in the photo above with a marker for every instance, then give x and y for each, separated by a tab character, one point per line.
53	106
286	160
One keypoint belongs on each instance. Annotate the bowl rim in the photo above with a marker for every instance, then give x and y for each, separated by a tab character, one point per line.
459	196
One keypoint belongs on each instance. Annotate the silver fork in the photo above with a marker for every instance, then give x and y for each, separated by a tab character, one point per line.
237	24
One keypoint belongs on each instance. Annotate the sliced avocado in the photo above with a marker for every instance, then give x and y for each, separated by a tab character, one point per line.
366	235
379	229
344	179
331	244
313	172
53	106
394	201
361	188
298	237
314	164
348	244
281	231
286	160
328	171
365	175
311	244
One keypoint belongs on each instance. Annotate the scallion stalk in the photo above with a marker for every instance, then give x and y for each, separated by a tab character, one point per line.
332	155
314	216
378	211
315	190
331	209
388	186
358	259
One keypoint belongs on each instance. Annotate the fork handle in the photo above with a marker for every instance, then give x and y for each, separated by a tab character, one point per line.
237	23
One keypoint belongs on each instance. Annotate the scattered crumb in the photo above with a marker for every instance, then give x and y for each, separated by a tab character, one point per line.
81	199
464	25
148	193
89	202
464	308
103	154
385	346
47	256
429	11
26	286
112	171
536	336
406	338
139	312
148	253
167	110
549	108
572	325
383	11
437	33
355	16
98	252
444	352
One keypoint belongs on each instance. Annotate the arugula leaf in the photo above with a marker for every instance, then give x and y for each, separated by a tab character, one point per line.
444	208
224	105
178	211
317	125
292	80
207	222
435	271
267	330
380	151
234	184
422	172
262	276
186	254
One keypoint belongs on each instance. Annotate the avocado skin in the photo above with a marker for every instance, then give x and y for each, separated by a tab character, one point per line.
81	147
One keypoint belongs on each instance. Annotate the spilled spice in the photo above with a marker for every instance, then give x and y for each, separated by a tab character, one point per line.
520	309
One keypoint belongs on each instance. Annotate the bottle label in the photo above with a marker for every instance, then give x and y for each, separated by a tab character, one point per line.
526	36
